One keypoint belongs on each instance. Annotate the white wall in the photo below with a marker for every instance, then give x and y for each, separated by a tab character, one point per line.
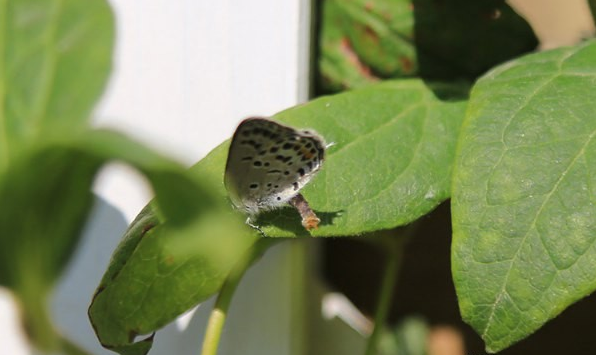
185	73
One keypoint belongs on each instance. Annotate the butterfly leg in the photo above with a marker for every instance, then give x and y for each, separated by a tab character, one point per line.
254	226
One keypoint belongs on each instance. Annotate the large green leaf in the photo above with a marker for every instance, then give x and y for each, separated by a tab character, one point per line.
390	162
524	190
44	201
362	41
54	59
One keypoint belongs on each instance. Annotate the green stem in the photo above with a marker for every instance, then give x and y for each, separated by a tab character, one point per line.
42	333
219	313
37	325
387	290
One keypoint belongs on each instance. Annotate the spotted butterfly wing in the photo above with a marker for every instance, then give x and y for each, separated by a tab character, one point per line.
268	163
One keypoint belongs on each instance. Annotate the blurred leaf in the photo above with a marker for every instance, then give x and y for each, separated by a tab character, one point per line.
362	41
54	60
592	4
390	162
174	255
524	221
409	337
45	199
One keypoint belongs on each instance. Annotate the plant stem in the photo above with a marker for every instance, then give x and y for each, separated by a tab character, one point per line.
42	333
218	316
386	294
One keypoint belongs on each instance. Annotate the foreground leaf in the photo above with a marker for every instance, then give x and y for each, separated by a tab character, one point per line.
389	164
55	57
45	197
523	209
176	254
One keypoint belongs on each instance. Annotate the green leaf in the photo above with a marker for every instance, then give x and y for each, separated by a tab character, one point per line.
54	60
45	198
524	221
390	162
362	41
161	270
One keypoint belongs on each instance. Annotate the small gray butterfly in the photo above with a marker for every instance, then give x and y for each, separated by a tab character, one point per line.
268	163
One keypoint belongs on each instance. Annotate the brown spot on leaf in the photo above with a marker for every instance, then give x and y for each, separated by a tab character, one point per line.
371	35
406	64
169	260
352	58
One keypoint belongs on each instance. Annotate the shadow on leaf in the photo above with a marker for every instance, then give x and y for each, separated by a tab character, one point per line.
288	220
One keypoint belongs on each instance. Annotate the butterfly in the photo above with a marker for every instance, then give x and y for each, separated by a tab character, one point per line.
269	163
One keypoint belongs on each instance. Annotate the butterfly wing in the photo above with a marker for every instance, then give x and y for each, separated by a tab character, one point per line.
268	163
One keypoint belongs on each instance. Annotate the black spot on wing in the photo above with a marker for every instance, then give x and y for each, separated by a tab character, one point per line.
283	158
